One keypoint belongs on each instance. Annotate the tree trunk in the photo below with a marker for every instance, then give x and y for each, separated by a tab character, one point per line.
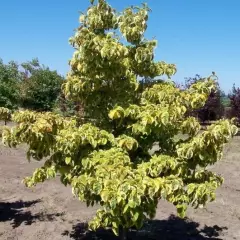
122	233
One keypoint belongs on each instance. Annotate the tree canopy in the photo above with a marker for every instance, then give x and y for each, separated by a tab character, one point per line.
105	70
10	79
40	88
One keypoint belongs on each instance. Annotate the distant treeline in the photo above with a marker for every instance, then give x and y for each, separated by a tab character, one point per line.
34	86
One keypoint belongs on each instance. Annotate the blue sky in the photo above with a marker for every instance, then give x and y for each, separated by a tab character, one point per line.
199	36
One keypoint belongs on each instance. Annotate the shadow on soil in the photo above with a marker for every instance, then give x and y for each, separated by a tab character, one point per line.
173	228
17	213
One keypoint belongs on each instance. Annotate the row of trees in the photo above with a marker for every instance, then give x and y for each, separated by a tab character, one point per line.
36	87
32	86
29	85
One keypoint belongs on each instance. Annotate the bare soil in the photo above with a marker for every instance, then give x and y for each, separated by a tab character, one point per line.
49	211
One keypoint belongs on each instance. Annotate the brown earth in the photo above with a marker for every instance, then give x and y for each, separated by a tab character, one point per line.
49	211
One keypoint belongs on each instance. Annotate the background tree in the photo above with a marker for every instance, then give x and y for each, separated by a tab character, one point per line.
67	107
234	97
225	99
41	87
213	108
107	159
10	80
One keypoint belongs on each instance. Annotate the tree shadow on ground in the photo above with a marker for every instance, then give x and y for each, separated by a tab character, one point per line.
16	213
173	228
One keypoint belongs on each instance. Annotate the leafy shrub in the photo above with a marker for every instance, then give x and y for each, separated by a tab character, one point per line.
5	114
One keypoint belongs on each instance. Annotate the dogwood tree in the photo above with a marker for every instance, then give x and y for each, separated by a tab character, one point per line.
107	159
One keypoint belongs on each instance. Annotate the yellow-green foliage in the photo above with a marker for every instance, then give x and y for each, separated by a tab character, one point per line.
108	160
104	69
5	114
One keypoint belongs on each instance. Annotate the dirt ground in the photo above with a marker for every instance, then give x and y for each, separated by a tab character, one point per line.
49	211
